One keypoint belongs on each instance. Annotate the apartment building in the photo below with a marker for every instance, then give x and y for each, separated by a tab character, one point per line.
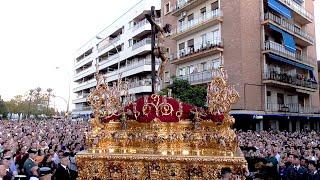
267	47
123	48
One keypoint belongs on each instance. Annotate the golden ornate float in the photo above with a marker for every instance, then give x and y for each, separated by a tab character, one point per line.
159	137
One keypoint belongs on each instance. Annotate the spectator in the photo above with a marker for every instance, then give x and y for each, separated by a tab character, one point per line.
34	173
63	172
3	172
30	162
45	173
313	173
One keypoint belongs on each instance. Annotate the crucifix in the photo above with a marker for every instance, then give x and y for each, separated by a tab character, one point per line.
157	49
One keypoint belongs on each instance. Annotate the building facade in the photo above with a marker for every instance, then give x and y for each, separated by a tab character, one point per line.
267	47
122	49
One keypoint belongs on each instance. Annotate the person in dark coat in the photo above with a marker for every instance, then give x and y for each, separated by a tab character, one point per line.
300	171
313	173
63	171
30	162
6	164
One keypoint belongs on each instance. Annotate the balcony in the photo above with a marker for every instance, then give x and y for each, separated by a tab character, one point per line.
131	69
279	49
202	22
291	108
198	78
83	61
286	80
139	25
302	37
113	41
105	62
141	43
80	99
198	51
300	14
84	73
185	5
141	86
85	85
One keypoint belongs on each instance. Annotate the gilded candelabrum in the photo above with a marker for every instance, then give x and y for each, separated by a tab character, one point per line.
159	137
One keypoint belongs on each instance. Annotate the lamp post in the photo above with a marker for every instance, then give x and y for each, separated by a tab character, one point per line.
69	89
67	102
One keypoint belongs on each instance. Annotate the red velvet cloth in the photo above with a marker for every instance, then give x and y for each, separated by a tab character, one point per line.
151	109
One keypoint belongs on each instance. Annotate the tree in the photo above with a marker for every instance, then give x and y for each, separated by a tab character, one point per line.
182	90
3	108
34	102
49	90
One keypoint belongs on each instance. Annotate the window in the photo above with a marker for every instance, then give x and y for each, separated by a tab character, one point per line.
187	70
203	13
191	46
181	49
192	70
181	28
190	20
203	67
203	40
168	52
215	37
167	76
214	6
130	41
268	97
167	8
280	98
216	63
182	71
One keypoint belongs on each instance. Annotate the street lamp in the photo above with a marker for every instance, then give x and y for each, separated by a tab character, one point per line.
69	89
67	102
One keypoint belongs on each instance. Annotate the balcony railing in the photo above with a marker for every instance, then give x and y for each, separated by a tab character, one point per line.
181	4
296	80
139	24
132	66
197	49
291	108
112	57
116	39
83	84
141	43
282	51
298	8
140	83
288	26
197	21
85	95
143	23
196	78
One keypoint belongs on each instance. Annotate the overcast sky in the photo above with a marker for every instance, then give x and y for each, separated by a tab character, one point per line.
36	36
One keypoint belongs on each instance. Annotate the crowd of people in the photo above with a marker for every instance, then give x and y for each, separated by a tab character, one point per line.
282	155
40	149
46	150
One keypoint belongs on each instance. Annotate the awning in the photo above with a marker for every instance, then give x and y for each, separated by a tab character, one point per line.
277	6
288	61
288	40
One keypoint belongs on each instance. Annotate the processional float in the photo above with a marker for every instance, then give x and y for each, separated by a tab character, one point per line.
160	137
